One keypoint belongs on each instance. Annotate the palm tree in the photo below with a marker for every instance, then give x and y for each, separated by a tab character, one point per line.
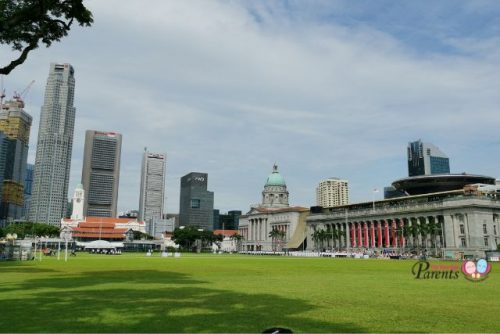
323	236
335	237
432	229
424	232
238	238
407	232
276	235
332	234
318	237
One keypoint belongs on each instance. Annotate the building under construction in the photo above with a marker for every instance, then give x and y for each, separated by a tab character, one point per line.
15	125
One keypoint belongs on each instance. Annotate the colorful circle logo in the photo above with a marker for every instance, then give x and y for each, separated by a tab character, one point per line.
476	271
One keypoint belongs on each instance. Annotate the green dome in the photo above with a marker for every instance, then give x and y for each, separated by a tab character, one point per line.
275	179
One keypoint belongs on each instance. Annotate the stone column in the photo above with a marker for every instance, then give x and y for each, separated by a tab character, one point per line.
402	238
353	234
393	234
360	237
372	234
366	239
386	232
347	237
379	232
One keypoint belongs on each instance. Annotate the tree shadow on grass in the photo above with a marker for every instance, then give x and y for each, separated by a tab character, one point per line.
92	278
153	301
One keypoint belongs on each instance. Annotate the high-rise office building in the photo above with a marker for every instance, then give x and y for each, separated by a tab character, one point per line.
196	202
227	221
101	172
15	125
54	147
152	194
332	192
28	186
426	159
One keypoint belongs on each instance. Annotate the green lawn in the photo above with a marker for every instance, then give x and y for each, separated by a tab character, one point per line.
232	293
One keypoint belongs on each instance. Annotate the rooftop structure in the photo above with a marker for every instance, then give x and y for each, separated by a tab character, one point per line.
425	184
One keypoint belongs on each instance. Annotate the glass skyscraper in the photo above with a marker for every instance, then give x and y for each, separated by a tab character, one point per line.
101	173
426	159
196	202
54	147
15	125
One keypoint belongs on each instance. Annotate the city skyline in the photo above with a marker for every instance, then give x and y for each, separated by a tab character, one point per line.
320	88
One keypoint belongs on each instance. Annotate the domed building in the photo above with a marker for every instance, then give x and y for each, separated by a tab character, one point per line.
275	194
274	225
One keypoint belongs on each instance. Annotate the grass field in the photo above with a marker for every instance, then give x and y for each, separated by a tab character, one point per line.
232	293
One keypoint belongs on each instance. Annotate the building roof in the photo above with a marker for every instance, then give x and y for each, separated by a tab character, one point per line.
426	184
91	219
226	233
276	210
275	178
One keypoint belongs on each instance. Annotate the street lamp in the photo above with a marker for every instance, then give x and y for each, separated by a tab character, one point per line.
199	244
373	198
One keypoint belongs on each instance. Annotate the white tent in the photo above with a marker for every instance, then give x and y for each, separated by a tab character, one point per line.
100	244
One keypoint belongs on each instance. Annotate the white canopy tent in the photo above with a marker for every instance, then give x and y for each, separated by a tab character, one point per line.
102	244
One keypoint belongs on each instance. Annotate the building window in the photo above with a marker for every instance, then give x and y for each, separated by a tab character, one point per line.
462	229
464	244
495	229
486	241
485	229
195	203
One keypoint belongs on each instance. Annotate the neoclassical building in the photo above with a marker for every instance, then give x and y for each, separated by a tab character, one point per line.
274	213
452	224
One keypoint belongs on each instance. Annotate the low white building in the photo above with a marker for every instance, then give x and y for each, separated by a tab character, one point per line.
274	214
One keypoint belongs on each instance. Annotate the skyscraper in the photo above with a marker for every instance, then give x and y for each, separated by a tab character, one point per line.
426	159
54	147
15	125
28	186
332	192
152	194
196	202
101	172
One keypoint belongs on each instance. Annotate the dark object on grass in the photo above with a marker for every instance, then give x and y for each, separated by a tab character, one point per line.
276	330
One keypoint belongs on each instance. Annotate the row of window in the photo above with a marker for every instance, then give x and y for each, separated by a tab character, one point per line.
485	229
486	242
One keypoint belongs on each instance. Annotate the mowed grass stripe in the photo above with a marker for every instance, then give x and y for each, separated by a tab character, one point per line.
233	293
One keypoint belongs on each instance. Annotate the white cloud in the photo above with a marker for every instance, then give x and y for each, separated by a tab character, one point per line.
228	94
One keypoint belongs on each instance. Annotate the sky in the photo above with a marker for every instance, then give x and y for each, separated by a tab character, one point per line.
321	88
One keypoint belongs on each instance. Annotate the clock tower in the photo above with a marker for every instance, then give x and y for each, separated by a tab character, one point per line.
78	198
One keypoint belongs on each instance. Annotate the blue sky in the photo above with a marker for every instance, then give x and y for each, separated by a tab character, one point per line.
322	88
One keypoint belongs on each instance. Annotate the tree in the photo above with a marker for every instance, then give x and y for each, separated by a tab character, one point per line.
24	24
276	235
138	235
28	229
185	237
238	238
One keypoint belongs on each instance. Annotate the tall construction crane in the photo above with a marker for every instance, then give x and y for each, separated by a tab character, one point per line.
19	96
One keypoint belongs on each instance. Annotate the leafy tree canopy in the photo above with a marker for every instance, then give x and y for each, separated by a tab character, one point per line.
187	236
138	235
24	24
29	229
